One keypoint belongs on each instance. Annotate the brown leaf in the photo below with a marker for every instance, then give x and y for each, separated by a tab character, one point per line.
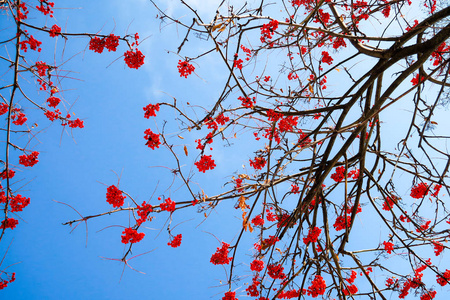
185	150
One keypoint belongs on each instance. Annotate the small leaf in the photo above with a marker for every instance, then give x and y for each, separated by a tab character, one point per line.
185	150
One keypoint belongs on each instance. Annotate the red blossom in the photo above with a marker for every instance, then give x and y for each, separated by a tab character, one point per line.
114	196
52	116
55	30
388	203
9	223
438	248
152	139
134	60
230	296
317	287
185	68
53	101
350	290
10	174
326	58
150	110
75	123
176	241
388	246
143	211
267	30
45	7
313	235
205	163
111	42
18	203
247	101
29	160
276	271
4	283
442	280
338	176
237	63
258	162
220	257
419	191
97	44
257	265
295	189
3	108
18	117
258	221
168	205
341	224
130	235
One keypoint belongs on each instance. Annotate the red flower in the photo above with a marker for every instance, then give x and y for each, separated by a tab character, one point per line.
221	255
247	102
388	246
438	248
143	211
258	221
230	296
350	290
4	283
313	235
326	58
442	280
46	7
428	295
258	163
53	101
114	196
150	110
238	64
130	235
75	123
205	163
97	44
185	68
419	191
267	30
3	108
257	265
29	160
18	117
10	174
168	205
18	203
134	60
339	175
341	223
152	139
317	287
276	271
111	42
55	30
9	223
389	203
176	241
52	116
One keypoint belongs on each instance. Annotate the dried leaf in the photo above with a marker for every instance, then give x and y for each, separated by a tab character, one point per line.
215	27
185	150
180	137
433	122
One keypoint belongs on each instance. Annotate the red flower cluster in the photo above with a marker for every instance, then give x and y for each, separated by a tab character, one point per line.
276	271
185	68
388	203
341	223
168	205
419	191
326	58
130	235
114	196
258	221
55	30
52	116
205	163
32	42
317	287
313	235
221	255
41	68
350	290
18	117
10	174
110	42
442	280
230	296
143	211
287	124
134	60
18	203
388	246
267	30
295	189
438	248
258	163
29	160
22	15
257	265
237	63
53	101
3	108
338	176
4	283
247	101
176	241
152	139
75	123
150	110
9	223
46	7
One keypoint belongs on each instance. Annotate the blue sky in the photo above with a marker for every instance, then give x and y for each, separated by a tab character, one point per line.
76	166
